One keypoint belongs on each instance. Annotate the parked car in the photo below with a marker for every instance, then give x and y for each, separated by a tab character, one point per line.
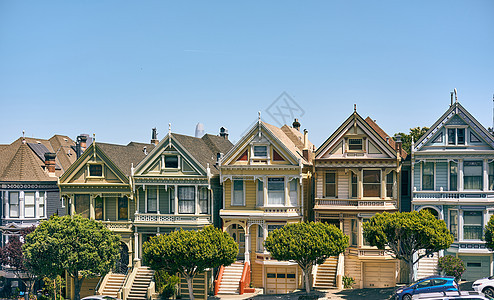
99	297
429	284
485	285
451	296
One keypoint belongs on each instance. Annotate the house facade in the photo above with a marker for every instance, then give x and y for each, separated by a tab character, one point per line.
453	177
265	180
357	174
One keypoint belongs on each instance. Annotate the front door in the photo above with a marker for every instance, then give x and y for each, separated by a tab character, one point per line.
238	234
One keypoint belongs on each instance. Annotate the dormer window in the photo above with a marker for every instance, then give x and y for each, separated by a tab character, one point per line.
355	144
456	136
261	151
171	162
95	170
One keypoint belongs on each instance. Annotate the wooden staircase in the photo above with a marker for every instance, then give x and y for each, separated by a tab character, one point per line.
326	274
427	266
142	280
113	285
231	279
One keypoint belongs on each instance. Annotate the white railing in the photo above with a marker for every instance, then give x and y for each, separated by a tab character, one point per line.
281	209
447	195
357	203
160	218
114	225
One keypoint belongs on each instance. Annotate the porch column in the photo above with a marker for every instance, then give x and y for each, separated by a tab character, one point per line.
383	184
36	204
247	247
287	191
158	199
265	190
265	233
360	184
136	246
175	189
91	207
21	204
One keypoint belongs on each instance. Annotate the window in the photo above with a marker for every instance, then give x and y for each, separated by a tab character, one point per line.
453	223
238	192
364	241
389	185
354	184
453	176
460	134
428	176
172	200
274	227
98	208
372	183
472	225
260	193
456	136
186	196
261	151
491	176
276	191
472	175
152	199
354	233
96	170
451	136
439	282
260	239
82	205
203	200
41	204
438	138
14	204
354	144
330	184
293	192
123	208
29	204
171	161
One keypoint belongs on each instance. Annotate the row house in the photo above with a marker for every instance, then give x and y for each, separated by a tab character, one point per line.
357	174
29	170
265	179
140	190
453	177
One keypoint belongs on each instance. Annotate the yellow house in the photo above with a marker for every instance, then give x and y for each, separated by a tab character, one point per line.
265	181
356	176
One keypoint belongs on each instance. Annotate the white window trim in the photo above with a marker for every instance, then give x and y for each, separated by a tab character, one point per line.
335	183
284	192
381	182
179	163
95	163
422	175
233	192
456	135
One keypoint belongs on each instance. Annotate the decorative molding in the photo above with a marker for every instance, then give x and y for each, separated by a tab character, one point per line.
28	186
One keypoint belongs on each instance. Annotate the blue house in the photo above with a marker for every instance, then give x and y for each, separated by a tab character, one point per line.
453	177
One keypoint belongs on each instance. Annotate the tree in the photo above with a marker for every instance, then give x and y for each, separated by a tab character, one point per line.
189	253
406	139
80	246
307	244
489	234
11	256
403	234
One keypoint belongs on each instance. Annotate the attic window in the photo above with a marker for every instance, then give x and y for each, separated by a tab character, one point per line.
96	170
354	144
171	161
439	138
276	156
261	151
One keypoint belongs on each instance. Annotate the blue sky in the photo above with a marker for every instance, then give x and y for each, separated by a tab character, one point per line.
119	68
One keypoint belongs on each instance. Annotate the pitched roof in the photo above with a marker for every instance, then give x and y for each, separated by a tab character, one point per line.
204	149
124	156
21	162
290	141
385	136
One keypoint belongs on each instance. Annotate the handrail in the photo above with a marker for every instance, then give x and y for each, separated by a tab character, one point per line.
128	282
150	290
217	282
245	279
340	270
101	278
125	281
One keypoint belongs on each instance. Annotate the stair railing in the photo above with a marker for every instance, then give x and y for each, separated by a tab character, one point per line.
245	279
217	282
340	271
119	292
127	286
102	283
150	291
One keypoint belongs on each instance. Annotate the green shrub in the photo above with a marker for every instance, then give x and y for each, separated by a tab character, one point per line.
452	266
348	282
165	284
52	288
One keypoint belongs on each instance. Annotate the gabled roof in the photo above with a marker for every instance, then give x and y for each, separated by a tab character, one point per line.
124	156
455	109
21	162
376	131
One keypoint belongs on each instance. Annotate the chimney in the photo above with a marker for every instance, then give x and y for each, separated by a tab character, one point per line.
80	144
145	150
451	98
306	150
83	142
154	136
50	163
398	143
224	133
296	124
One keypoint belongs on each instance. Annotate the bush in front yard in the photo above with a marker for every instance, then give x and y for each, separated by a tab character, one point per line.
452	266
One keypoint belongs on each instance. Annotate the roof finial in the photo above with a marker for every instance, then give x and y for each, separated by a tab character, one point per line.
23	137
259	116
94	146
169	128
456	96
355	108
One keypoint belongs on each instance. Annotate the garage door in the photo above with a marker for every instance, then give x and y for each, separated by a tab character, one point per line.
379	274
477	267
281	280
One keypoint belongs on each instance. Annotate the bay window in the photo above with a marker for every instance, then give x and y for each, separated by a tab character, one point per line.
82	205
41	204
186	199
203	200
372	183
123	208
472	225
453	223
276	191
389	185
98	208
364	240
453	176
354	233
152	199
260	193
354	182
491	176
238	192
428	176
472	175
330	183
29	204
293	192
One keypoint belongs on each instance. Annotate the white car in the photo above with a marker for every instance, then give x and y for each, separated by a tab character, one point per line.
485	285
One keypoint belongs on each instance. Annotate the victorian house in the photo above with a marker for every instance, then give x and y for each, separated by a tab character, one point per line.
453	177
99	186
176	186
29	170
356	176
265	179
